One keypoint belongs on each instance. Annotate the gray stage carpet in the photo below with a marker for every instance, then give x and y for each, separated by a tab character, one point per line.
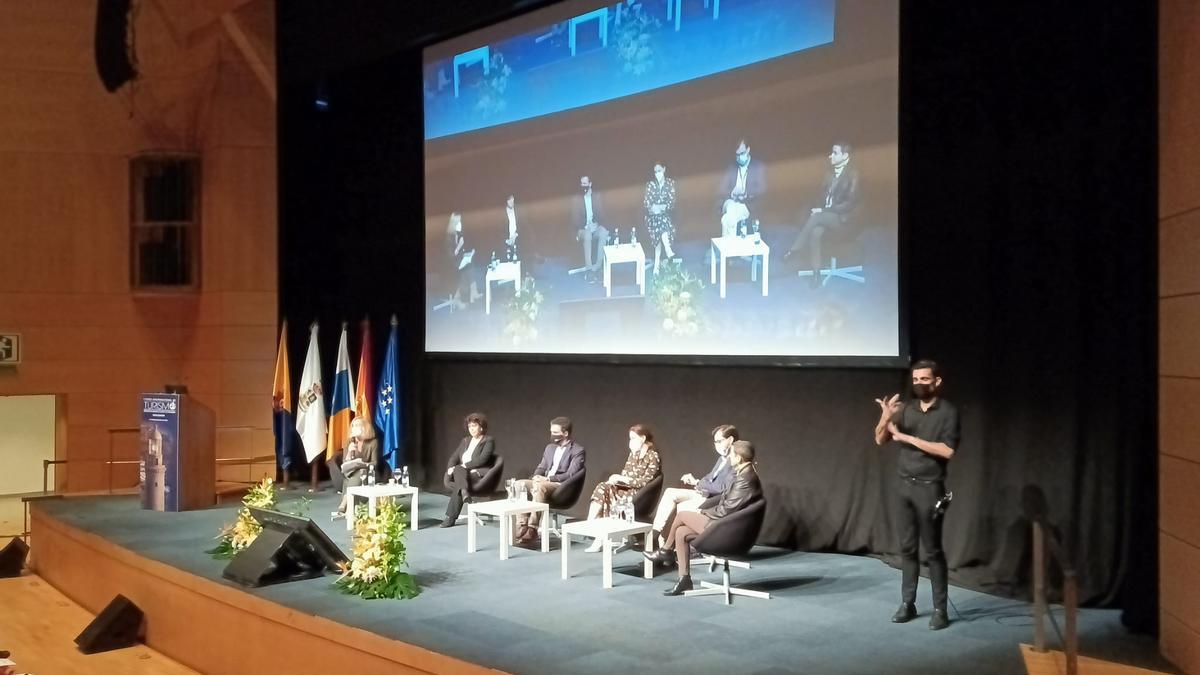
828	612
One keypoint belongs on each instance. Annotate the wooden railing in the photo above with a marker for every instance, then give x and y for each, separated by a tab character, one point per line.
1068	635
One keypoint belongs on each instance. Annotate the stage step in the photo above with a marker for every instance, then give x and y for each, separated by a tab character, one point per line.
1053	662
38	625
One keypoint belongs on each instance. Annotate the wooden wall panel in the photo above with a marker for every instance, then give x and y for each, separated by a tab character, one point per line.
1179	417
1179	106
1179	254
1179	324
65	145
1179	500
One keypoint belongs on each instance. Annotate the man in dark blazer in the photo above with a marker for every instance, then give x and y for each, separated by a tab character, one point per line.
472	459
562	460
698	489
742	188
587	214
841	192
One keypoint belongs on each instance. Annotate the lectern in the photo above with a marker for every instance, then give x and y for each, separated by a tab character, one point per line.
177	467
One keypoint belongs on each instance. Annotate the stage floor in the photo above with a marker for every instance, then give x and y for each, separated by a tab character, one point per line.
828	612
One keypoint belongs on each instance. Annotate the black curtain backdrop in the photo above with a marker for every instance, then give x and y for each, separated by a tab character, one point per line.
1028	198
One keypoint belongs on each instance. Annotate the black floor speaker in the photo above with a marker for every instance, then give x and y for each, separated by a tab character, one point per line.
117	627
12	558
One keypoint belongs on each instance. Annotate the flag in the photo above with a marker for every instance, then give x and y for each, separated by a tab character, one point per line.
387	405
281	404
366	387
310	403
339	407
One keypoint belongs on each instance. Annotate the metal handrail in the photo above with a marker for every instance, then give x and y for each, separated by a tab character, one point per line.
110	462
1068	636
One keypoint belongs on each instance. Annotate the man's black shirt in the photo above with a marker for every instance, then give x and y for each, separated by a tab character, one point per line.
938	424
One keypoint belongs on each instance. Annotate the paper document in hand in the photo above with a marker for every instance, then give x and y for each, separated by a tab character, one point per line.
466	259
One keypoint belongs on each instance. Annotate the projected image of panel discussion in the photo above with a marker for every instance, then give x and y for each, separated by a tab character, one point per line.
666	177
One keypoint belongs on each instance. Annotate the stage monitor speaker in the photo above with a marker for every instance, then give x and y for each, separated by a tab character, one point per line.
117	627
113	61
289	548
12	558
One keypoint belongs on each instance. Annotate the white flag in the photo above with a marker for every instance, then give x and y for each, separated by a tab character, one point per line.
310	404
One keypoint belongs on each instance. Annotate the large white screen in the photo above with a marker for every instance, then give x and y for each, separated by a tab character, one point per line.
776	124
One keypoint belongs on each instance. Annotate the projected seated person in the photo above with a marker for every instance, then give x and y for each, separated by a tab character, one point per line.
468	464
562	460
641	466
741	189
744	489
659	202
466	270
690	498
841	193
362	452
586	215
512	236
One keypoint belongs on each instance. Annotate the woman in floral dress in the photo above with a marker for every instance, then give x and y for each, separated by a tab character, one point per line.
642	466
660	205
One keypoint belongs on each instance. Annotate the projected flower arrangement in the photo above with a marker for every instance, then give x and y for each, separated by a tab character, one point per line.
677	299
635	41
493	85
523	310
376	569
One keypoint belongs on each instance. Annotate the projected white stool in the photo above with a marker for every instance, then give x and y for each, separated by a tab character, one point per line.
624	253
504	272
372	493
738	247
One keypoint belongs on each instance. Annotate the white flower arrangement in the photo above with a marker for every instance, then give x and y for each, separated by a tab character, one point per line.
245	529
676	296
523	311
376	570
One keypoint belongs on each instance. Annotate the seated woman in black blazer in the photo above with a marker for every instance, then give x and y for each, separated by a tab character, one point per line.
468	463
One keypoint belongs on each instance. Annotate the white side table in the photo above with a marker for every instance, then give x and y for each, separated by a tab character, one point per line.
505	271
608	528
735	247
624	253
506	510
372	493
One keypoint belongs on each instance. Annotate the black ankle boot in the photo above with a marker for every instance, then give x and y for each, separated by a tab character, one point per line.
660	557
906	613
684	584
939	620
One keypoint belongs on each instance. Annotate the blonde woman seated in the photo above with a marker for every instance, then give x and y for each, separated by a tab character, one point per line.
641	467
362	453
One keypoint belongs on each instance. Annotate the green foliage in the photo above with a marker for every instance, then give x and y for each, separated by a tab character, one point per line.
676	296
376	570
523	311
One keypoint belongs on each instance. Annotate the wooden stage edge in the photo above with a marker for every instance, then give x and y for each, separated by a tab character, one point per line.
211	627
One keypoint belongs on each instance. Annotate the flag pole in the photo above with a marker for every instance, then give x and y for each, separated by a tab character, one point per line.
315	470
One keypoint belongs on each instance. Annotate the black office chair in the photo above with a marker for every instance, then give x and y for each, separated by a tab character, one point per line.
483	486
646	498
644	502
727	541
564	499
487	483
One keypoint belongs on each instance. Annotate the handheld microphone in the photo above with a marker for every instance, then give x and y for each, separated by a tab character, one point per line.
943	503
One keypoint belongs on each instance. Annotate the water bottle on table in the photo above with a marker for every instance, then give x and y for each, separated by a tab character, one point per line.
404	476
371	475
